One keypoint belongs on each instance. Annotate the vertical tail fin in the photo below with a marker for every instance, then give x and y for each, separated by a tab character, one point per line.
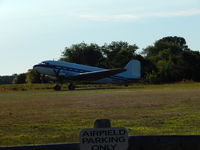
133	70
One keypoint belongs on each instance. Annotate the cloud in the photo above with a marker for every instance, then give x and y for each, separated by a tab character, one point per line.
120	17
177	13
134	17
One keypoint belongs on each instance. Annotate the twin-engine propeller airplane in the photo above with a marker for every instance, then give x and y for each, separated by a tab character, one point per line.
77	73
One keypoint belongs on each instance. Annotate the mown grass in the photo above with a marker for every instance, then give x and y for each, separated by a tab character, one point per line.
43	116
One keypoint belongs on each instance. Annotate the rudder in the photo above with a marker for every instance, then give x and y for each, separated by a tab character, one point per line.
133	70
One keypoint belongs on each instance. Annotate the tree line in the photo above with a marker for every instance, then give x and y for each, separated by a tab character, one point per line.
168	60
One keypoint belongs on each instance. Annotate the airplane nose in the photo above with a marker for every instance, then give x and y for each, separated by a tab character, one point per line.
39	68
36	67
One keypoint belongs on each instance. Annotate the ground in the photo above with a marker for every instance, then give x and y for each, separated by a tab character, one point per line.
32	116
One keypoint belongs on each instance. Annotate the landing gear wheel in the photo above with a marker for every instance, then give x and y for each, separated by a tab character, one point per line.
71	87
57	87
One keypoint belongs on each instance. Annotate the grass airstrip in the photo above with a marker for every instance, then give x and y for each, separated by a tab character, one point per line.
35	114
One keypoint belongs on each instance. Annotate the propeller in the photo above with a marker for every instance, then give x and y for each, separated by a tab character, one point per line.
42	78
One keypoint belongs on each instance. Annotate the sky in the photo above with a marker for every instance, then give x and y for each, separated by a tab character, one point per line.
32	31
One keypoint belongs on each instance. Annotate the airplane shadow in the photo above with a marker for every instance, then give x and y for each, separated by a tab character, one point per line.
107	88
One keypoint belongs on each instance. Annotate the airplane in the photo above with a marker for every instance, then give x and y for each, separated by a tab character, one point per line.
77	73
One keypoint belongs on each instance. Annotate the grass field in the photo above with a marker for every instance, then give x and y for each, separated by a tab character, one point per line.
43	116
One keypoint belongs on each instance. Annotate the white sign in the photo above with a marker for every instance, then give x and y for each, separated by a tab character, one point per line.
104	139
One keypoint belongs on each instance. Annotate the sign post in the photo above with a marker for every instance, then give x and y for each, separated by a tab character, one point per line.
104	139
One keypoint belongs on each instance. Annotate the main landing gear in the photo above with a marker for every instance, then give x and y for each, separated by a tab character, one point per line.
71	87
57	87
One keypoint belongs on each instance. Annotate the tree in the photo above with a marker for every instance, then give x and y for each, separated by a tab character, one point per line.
173	60
0	80
113	55
146	67
7	79
177	41
83	54
174	45
118	54
33	76
190	64
20	79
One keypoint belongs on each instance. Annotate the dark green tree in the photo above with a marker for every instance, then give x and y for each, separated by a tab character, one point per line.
174	45
20	79
190	64
7	79
173	60
118	54
146	65
33	76
83	54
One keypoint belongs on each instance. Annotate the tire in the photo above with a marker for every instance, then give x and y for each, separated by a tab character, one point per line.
71	87
57	88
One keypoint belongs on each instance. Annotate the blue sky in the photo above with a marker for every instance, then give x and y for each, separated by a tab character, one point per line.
35	30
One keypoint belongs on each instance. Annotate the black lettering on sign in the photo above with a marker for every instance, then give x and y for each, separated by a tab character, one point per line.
104	133
104	139
84	140
99	140
95	147
104	147
85	133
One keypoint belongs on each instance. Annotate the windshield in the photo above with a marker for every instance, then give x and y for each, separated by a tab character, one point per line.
44	63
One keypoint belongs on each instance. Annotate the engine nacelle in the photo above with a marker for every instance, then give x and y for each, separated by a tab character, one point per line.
62	73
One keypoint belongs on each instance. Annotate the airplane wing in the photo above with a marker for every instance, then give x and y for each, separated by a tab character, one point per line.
95	75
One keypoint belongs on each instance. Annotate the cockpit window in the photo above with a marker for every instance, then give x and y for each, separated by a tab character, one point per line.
44	63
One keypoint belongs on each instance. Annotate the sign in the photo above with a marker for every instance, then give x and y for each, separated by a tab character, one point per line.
104	139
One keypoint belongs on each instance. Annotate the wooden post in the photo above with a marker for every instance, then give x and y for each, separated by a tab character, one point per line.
102	123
